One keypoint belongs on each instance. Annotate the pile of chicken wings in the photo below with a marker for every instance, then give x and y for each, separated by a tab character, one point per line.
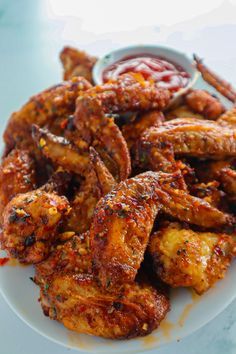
115	197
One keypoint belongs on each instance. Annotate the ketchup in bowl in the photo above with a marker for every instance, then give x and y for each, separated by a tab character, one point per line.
164	73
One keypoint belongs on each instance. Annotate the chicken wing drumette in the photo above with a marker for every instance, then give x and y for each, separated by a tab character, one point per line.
30	224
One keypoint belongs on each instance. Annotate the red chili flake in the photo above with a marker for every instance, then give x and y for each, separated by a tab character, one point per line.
218	251
3	261
64	123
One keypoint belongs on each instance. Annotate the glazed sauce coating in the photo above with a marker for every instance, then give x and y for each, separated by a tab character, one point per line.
164	73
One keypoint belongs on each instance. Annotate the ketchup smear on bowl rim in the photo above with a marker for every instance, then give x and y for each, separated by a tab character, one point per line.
164	73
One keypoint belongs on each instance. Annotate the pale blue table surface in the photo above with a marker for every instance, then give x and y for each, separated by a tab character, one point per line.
31	36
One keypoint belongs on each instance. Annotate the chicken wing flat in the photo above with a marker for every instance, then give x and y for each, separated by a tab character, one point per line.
77	63
124	218
98	182
184	137
58	101
201	101
133	130
30	224
214	80
183	257
79	303
17	175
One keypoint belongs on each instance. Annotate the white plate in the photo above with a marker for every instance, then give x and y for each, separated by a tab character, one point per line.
188	312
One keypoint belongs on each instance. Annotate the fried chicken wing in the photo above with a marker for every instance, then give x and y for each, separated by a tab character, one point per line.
17	175
30	224
214	80
183	257
98	182
42	109
201	101
124	218
77	63
184	137
79	303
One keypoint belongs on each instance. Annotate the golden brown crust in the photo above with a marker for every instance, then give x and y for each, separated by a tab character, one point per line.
79	303
61	151
77	63
30	224
42	109
71	256
183	257
17	175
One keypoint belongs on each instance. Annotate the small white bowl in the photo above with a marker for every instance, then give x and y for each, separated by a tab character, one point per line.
173	55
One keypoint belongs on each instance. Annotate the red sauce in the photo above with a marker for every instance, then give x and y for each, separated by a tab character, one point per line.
164	73
3	261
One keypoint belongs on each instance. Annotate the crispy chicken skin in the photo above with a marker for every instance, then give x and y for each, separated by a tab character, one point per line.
98	182
183	257
60	151
228	119
124	218
201	101
133	130
72	255
42	109
30	224
77	63
81	305
17	175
